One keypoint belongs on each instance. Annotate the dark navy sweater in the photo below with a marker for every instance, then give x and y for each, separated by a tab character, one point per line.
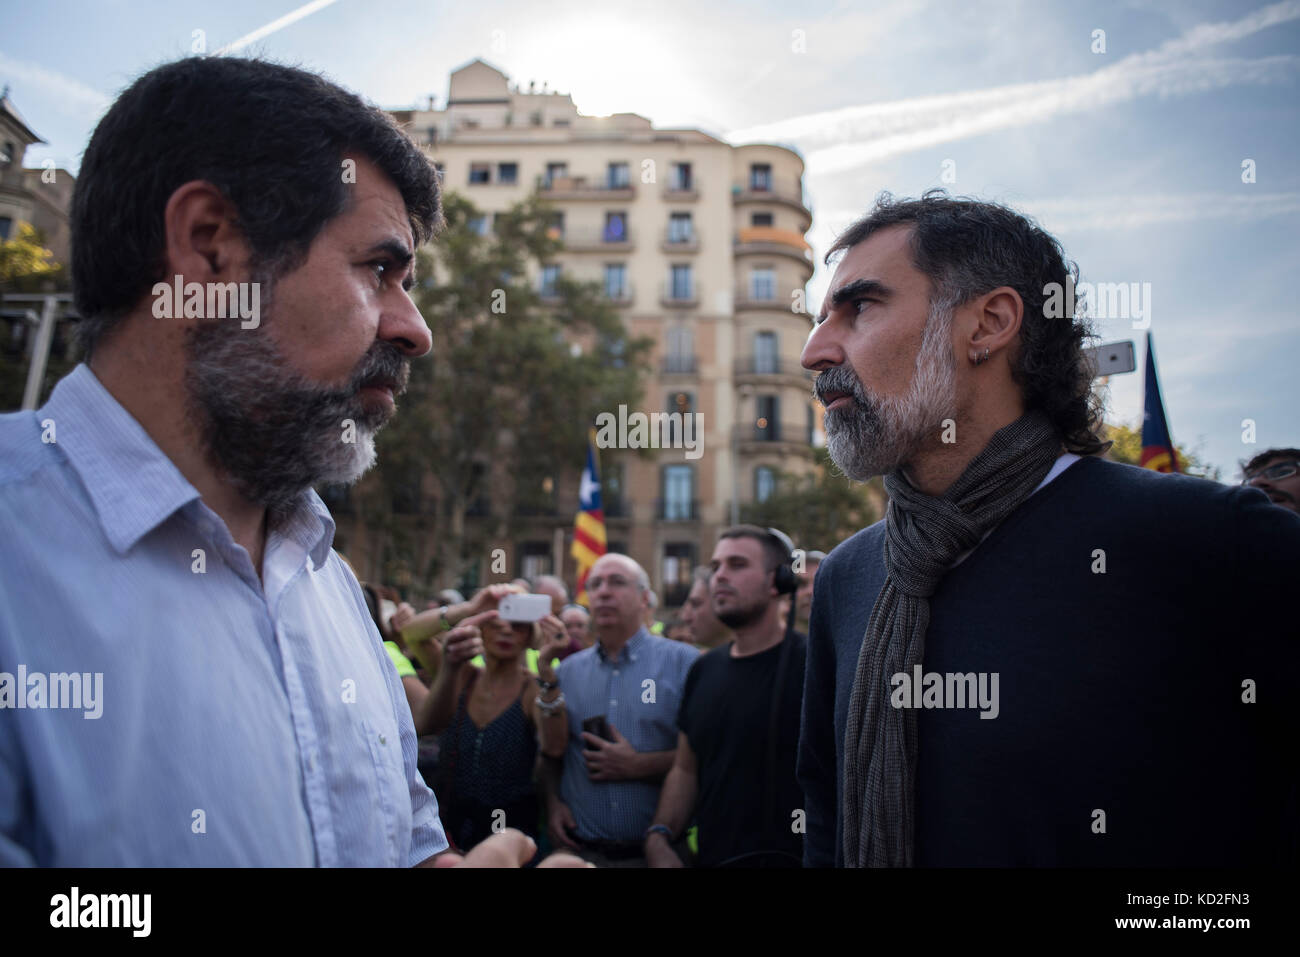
1119	692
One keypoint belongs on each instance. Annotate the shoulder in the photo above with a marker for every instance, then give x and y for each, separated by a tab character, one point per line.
848	557
22	451
677	653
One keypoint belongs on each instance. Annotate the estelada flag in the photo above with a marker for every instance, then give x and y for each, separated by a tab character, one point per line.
589	525
1157	446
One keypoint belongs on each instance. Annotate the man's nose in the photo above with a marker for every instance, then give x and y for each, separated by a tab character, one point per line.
823	349
402	325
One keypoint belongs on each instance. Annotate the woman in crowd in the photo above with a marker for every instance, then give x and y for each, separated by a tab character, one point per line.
489	724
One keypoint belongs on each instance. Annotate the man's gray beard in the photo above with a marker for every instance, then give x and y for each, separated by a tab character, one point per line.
270	430
876	435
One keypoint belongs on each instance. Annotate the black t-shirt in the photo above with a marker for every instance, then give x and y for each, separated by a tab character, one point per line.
726	715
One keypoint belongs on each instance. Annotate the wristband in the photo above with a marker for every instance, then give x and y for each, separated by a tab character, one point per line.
547	685
442	617
658	829
549	708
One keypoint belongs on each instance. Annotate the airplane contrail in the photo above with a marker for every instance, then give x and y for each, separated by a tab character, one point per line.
306	10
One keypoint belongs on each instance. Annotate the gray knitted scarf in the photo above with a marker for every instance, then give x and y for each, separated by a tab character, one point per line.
924	535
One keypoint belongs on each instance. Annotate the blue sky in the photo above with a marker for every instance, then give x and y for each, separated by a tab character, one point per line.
1132	156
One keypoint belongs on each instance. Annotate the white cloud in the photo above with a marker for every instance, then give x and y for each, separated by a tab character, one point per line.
61	89
849	137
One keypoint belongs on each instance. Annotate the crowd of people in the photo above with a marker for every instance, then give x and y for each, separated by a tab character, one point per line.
520	725
1039	657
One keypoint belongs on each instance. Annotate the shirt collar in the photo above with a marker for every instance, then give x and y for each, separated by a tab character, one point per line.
631	648
133	485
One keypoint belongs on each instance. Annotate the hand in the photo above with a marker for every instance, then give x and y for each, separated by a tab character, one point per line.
508	848
464	641
554	640
659	853
487	599
400	618
610	760
559	821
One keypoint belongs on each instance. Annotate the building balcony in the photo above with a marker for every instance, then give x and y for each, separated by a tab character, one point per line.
747	301
681	194
771	241
675	243
755	370
680	295
579	187
785	191
781	437
677	509
622	295
598	241
677	365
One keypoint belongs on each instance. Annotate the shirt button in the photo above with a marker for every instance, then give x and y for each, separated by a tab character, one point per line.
311	763
382	739
613	703
615	672
613	804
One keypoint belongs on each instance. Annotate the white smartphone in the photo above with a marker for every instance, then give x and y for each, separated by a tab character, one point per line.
1113	358
525	607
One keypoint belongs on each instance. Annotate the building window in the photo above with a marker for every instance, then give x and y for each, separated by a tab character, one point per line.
559	122
6	224
681	286
535	118
507	173
678	566
680	228
617	176
681	176
534	559
765	426
680	355
555	171
679	491
684	404
615	228
762	283
555	226
760	177
611	496
550	276
7	154
764	483
760	219
615	281
480	174
765	356
812	425
478	225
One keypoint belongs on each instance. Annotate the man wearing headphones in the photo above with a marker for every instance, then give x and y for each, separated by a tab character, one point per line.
739	719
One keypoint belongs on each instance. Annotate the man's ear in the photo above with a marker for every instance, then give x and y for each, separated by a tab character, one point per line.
202	242
997	314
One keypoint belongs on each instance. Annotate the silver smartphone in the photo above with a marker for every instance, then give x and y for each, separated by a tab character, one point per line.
525	607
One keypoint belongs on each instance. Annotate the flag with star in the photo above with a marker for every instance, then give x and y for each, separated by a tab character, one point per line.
1157	447
589	525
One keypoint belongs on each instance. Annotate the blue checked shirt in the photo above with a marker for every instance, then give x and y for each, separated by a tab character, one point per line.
243	722
644	713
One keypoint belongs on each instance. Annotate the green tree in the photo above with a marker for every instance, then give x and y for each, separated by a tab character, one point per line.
498	414
1127	448
820	509
25	264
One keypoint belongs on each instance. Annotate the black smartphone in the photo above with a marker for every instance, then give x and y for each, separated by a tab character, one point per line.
598	726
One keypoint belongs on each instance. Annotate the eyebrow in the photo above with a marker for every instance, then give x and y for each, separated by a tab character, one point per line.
857	289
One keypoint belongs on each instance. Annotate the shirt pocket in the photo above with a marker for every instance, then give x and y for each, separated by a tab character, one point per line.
388	781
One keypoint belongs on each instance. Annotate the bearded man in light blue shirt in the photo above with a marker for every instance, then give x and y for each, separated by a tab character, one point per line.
188	672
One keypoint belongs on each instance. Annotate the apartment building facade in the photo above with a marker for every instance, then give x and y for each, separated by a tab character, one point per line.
700	245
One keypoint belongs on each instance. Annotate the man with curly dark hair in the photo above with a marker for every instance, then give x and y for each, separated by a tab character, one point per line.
1039	657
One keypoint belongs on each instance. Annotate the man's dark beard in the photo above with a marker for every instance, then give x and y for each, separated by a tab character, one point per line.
270	430
741	617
